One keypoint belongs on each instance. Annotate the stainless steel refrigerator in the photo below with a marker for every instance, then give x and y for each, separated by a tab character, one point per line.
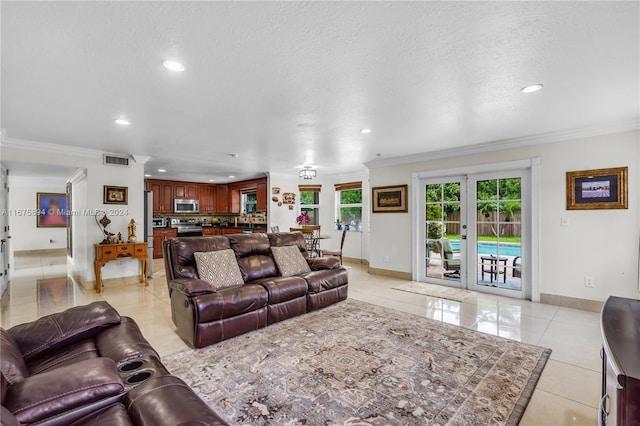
148	227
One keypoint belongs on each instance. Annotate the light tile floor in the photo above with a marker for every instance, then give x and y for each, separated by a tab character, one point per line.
567	393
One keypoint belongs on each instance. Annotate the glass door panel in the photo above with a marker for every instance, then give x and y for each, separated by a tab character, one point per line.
442	232
498	234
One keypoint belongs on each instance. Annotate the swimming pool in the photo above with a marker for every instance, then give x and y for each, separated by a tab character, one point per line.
506	249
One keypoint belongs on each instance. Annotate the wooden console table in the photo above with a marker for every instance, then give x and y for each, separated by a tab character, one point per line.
106	253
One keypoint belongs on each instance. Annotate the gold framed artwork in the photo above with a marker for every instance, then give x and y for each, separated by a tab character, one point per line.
597	189
115	195
389	199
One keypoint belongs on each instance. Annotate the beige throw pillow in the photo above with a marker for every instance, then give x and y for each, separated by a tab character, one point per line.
219	268
290	261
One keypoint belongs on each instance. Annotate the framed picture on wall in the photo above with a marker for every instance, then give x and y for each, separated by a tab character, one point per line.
52	210
389	199
597	189
115	195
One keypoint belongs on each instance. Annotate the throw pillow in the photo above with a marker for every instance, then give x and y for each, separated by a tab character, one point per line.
219	268
290	261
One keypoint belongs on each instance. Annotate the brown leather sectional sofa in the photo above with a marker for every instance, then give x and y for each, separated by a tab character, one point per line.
90	366
204	315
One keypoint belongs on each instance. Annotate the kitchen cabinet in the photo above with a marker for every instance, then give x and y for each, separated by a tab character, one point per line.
209	231
159	235
226	231
261	197
222	202
185	190
207	198
162	195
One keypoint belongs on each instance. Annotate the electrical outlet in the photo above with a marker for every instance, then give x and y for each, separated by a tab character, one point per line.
564	221
588	282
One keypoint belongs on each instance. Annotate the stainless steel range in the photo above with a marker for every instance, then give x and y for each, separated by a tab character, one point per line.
187	227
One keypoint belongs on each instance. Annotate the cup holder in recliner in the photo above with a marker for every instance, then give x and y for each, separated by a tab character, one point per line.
130	366
138	377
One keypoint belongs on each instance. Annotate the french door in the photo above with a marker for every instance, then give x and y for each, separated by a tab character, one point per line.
474	232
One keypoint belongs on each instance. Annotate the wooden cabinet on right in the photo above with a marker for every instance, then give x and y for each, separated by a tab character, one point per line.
261	196
159	235
222	199
209	231
620	327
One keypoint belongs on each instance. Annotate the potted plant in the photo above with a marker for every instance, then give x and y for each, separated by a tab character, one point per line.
339	224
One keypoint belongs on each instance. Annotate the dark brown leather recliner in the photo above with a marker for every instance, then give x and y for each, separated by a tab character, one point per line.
204	315
90	366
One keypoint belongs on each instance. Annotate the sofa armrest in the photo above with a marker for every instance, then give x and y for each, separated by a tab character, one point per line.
191	286
319	263
63	328
168	400
71	388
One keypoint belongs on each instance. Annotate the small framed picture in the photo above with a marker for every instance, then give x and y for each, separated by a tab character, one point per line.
389	199
53	209
597	189
115	195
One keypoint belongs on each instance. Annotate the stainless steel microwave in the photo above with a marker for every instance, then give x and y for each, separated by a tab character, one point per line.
186	206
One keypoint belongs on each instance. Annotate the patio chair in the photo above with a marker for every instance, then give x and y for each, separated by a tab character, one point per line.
450	262
517	267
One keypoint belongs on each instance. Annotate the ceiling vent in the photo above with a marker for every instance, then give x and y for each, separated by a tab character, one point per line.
115	160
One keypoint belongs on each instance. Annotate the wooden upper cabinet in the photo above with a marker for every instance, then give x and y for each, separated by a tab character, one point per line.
185	190
222	201
207	198
261	196
162	195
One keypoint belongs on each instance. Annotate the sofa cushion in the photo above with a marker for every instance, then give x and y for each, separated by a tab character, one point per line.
179	259
254	256
12	363
290	261
63	328
66	355
219	268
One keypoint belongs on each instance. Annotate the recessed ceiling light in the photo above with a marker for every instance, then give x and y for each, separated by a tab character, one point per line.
162	170
212	180
122	122
173	66
365	131
233	155
147	175
531	88
231	176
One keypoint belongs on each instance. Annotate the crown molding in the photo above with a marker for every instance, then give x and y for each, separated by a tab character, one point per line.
52	148
541	138
64	149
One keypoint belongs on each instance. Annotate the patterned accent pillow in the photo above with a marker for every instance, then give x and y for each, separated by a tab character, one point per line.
219	268
290	261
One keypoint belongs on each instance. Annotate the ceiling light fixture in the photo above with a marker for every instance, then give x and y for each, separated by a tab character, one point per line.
231	177
212	180
365	131
162	170
532	88
307	173
147	175
173	66
122	122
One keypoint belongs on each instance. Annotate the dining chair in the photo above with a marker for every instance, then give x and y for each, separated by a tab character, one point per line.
311	234
338	252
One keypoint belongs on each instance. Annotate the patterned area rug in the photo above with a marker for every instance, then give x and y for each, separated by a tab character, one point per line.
441	291
359	364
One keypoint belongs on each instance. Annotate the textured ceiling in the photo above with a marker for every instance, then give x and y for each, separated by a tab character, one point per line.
284	84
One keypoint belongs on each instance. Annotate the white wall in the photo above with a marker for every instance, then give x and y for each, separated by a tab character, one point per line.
25	235
87	199
602	244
